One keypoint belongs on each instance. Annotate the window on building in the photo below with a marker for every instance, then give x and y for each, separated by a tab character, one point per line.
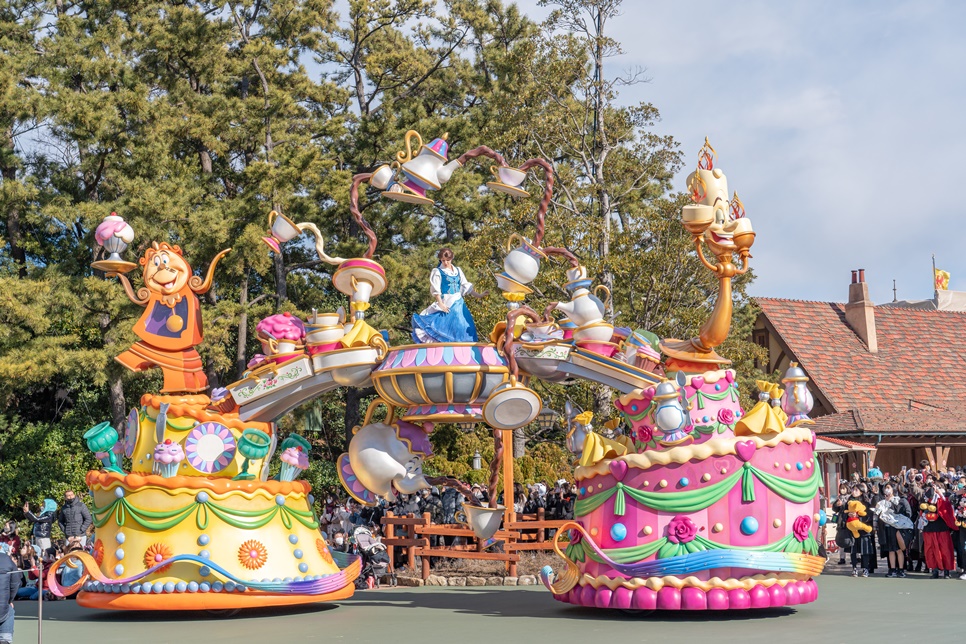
760	337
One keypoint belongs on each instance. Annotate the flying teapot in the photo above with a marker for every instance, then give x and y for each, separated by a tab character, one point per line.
584	308
427	170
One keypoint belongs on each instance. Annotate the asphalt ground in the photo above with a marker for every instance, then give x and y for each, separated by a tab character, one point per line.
851	610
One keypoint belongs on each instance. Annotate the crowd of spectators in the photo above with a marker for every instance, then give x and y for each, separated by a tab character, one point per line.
913	520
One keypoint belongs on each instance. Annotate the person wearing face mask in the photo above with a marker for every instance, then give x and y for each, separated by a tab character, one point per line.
863	550
74	518
870	497
843	538
10	537
937	521
339	542
894	516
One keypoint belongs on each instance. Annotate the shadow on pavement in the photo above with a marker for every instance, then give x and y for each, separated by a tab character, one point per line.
69	611
530	604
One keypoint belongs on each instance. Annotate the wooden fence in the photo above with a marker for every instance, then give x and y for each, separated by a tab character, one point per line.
412	533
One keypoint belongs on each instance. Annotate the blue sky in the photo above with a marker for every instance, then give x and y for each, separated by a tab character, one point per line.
840	124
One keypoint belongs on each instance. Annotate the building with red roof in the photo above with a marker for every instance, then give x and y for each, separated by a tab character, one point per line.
891	376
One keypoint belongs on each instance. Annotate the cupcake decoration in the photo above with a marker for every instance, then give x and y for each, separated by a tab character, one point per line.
167	457
294	462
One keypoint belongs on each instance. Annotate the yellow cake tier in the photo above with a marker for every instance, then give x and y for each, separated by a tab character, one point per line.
234	533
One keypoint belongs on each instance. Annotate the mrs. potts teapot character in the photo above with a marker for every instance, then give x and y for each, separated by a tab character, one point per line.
385	459
427	170
671	414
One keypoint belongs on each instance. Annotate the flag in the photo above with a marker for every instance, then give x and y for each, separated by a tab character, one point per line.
942	280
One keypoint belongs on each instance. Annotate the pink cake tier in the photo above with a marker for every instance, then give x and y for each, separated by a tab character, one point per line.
721	523
715	408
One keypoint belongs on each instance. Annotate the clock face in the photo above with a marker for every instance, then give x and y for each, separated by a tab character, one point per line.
210	447
131	432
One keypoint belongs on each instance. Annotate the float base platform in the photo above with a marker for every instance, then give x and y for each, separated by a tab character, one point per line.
204	601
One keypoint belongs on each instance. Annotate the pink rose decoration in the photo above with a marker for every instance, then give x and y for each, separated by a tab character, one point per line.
576	536
645	434
726	417
801	526
681	530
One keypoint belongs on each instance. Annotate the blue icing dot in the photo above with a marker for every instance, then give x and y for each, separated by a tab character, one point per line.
717	387
181	586
240	588
119	492
120	537
311	499
125	588
119	553
297	553
136	589
288	580
169	587
293	539
201	497
822	517
218	586
204	540
229	586
303	567
685	482
583	491
204	586
118	569
749	525
204	571
618	532
705	419
204	554
280	500
799	466
146	587
192	586
158	587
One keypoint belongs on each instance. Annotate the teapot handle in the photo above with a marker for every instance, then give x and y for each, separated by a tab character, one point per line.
403	157
509	240
271	218
602	286
390	412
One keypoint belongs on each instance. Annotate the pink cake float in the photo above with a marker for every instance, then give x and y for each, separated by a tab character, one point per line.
700	506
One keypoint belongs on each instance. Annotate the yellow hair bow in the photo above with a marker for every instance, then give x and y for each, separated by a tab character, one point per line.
584	418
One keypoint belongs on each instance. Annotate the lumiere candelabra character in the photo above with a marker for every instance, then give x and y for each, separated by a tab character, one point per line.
170	326
447	319
721	225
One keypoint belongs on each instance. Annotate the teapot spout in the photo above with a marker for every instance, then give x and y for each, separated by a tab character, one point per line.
446	172
566	307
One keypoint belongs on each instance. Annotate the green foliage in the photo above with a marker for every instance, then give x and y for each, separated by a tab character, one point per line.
195	119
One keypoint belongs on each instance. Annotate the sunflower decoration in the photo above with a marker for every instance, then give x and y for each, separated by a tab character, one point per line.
155	554
252	554
323	549
98	552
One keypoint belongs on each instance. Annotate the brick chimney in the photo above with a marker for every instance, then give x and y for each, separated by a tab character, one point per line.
860	312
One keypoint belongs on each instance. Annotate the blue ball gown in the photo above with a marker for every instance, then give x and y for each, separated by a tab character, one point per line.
434	324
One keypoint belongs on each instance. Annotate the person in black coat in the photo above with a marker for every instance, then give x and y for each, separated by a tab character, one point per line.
74	518
9	584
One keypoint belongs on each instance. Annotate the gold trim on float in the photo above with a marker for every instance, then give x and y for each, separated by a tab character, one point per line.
421	388
410	371
448	383
444	418
478	387
404	347
402	396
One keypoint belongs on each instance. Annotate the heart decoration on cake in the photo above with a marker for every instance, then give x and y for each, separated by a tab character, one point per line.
697	382
745	450
618	469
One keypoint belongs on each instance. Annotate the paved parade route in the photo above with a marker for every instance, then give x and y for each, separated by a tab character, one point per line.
914	607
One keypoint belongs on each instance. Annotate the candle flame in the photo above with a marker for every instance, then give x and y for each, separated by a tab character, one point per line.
737	208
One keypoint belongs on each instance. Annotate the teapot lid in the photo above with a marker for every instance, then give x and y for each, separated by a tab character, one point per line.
439	147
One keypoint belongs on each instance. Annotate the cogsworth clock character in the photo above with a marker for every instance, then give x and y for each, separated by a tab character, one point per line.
170	327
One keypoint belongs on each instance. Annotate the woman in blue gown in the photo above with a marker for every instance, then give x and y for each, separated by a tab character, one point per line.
447	319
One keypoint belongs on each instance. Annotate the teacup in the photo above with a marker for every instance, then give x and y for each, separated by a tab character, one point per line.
283	228
281	358
541	329
314	348
606	349
361	289
324	335
381	177
594	332
279	347
324	320
508	176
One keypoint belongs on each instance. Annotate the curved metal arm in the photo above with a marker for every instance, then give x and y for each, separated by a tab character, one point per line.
481	151
357	214
463	488
320	243
495	469
744	264
200	286
547	194
709	265
129	290
508	339
571	258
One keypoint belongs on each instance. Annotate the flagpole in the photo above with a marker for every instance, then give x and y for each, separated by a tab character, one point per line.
935	288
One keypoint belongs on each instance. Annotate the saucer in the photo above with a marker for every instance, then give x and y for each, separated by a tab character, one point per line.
510	285
114	266
407	196
510	190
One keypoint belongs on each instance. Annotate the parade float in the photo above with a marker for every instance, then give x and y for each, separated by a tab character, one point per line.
693	505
